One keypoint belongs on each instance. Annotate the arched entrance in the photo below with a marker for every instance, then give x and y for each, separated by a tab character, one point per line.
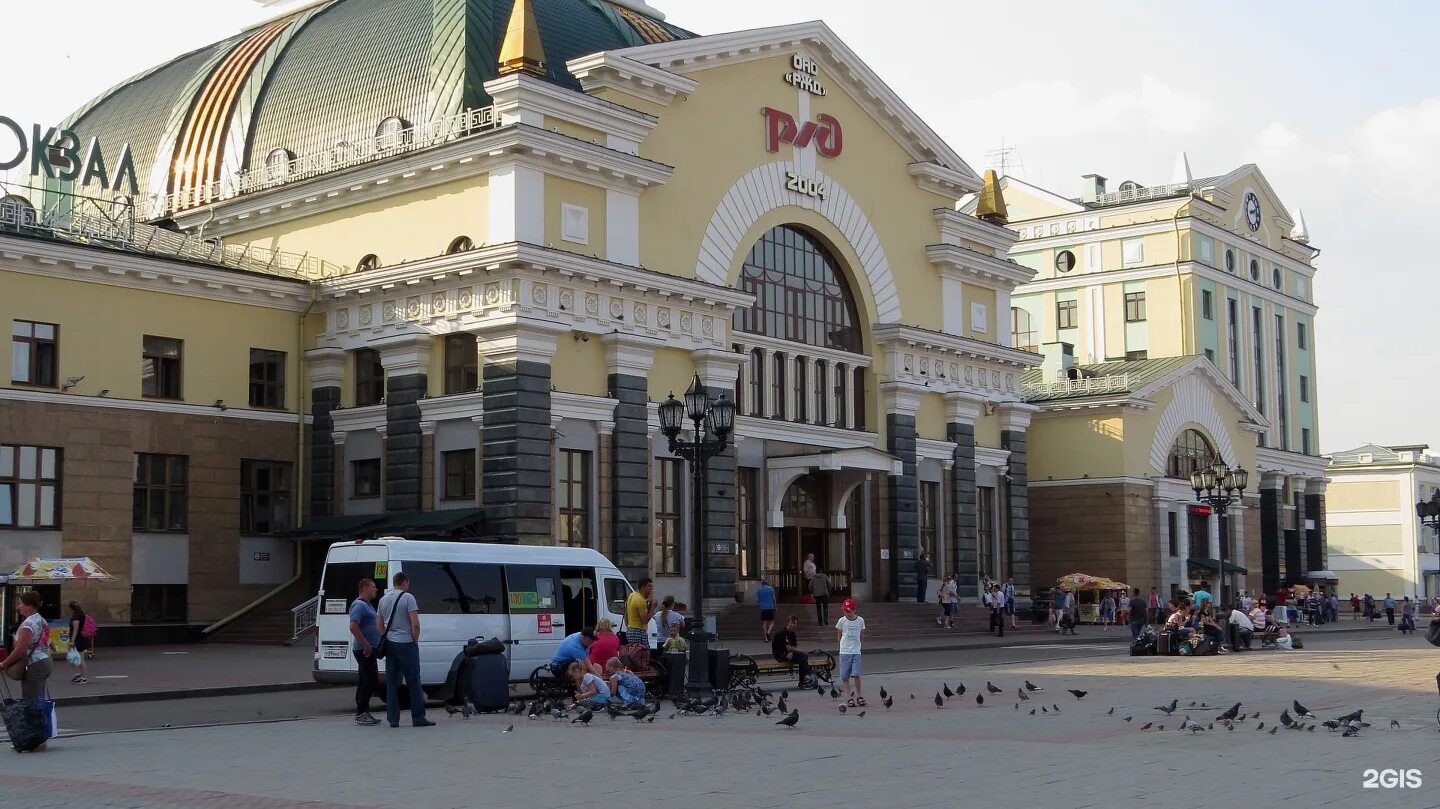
821	517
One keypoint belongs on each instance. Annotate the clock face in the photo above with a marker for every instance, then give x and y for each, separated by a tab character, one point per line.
1252	211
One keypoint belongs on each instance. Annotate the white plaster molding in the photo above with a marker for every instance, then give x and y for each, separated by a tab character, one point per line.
1291	463
51	397
1104	481
517	341
1015	416
962	408
404	353
517	96
991	456
930	449
326	367
900	398
427	427
1192	404
842	486
610	70
717	368
627	354
946	363
1316	486
453	407
956	227
360	419
974	267
584	407
762	190
784	470
946	182
810	434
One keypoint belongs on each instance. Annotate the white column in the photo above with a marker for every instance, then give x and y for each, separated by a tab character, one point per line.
517	205
743	406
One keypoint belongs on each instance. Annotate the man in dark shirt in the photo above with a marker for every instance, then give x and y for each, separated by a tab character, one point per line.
786	648
1138	608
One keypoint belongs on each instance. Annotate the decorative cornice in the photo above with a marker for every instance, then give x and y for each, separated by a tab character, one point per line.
326	367
148	405
610	70
506	343
955	226
946	182
717	368
945	363
98	265
628	355
901	398
453	407
1016	415
521	98
962	407
402	354
810	434
360	419
976	268
1292	463
992	457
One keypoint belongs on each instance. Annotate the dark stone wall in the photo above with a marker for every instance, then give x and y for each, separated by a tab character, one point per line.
323	402
721	568
904	494
1272	539
630	477
403	456
515	437
1017	507
966	558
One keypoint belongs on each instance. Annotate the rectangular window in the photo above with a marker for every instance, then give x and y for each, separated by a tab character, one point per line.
747	522
265	488
777	384
1301	338
1207	304
1256	328
29	487
459	466
822	396
1174	527
572	498
985	531
161	484
160	368
158	603
1142	354
267	379
1066	316
841	379
857	392
456	588
929	518
365	478
667	506
1281	411
1132	252
369	378
1134	307
1305	440
34	353
462	364
1205	250
802	390
1233	339
1210	355
1305	389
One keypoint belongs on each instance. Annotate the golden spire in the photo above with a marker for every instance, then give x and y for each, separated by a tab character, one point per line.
991	205
521	52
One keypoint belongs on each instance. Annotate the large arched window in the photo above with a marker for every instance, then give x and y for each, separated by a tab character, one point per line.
800	293
1191	452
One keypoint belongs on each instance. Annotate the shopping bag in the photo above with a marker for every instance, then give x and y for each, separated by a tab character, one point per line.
74	658
52	723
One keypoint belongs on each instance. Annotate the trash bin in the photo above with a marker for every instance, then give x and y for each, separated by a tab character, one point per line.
674	673
719	667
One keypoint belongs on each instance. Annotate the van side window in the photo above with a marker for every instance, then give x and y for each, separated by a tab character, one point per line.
532	588
577	588
616	591
341	584
457	588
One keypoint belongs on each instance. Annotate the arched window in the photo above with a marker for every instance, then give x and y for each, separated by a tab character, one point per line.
277	164
392	132
368	262
804	498
459	245
800	293
1022	330
1191	452
17	210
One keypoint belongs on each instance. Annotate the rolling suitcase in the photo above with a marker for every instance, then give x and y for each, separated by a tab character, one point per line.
26	722
486	682
1166	644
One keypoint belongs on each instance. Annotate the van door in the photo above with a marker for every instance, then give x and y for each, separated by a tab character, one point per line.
345	567
537	616
458	601
579	597
616	591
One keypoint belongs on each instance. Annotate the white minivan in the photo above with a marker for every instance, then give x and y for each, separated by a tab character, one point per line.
526	596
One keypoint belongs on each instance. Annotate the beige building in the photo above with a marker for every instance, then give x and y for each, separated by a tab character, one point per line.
1377	543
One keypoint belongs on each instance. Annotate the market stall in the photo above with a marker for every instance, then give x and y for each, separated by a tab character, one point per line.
44	576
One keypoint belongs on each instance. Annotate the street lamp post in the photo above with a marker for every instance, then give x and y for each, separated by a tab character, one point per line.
1220	487
713	423
1429	513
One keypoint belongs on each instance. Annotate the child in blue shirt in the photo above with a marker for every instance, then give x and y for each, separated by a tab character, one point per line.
590	690
626	687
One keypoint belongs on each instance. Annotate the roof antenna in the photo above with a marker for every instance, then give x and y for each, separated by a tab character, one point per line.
1004	159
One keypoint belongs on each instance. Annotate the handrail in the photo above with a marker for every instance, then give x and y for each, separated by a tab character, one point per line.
245	610
304	616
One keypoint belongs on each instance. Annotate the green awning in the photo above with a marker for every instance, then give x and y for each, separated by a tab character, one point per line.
1214	564
339	526
429	524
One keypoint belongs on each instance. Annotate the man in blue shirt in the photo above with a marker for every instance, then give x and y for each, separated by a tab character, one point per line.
365	628
765	597
574	647
1202	595
1390	608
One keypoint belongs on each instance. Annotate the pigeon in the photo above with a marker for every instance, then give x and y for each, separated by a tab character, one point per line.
1354	716
1146	726
766	710
1128	718
1301	710
960	692
1055	708
1350	730
1332	724
1162	727
887	702
785	693
643	712
1032	711
1043	709
1241	717
781	706
1029	686
939	700
613	710
861	714
842	708
1311	729
1168	709
819	690
451	709
990	687
650	720
1196	729
1285	718
834	692
1272	730
1078	694
672	716
792	720
1260	726
466	711
1017	706
980	699
1230	714
1394	725
584	718
1020	692
508	729
947	692
883	695
912	696
1110	712
1212	726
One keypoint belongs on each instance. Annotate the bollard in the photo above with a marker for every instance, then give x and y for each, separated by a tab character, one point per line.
674	674
719	668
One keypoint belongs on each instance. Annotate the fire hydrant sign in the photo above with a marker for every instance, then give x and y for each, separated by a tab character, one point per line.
543	620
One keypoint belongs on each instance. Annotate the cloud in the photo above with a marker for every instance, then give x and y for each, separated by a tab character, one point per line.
1062	109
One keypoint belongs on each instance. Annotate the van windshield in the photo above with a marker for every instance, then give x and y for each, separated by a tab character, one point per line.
342	583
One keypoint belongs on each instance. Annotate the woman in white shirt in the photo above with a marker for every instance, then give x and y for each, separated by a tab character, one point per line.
32	646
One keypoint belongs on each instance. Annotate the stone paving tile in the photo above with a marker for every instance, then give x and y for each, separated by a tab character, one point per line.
912	755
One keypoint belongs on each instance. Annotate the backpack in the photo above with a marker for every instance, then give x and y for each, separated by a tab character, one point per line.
89	627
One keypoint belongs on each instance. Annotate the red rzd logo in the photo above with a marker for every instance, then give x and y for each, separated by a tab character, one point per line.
824	131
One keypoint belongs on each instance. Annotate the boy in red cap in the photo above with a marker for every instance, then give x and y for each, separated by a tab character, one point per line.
848	630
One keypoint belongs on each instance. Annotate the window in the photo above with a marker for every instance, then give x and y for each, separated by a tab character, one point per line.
1191	452
747	522
158	603
457	588
929	519
34	353
1301	338
277	164
267	379
777	384
1282	413
29	487
572	498
1064	261
1022	330
1142	354
800	389
1229	265
1254	269
822	396
369	378
1276	280
1305	440
1305	389
858	392
161	483
459	244
1206	250
666	506
987	564
369	261
1174	528
1233	339
160	368
801	295
1207	304
840	377
462	364
1210	355
392	132
1255	331
1132	252
459	468
1134	307
265	488
365	478
1065	314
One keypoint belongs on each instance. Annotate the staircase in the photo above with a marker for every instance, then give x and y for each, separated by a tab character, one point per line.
264	626
884	621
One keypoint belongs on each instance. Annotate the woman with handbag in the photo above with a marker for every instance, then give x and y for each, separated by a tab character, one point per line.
29	658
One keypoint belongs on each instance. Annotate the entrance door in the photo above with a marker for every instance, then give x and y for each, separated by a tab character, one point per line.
537	616
837	555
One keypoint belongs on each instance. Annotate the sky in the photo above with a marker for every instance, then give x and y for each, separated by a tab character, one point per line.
1337	102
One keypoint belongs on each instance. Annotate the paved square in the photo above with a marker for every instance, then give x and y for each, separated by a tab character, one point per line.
911	755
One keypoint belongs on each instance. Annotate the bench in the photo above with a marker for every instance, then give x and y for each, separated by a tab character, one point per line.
547	686
746	671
